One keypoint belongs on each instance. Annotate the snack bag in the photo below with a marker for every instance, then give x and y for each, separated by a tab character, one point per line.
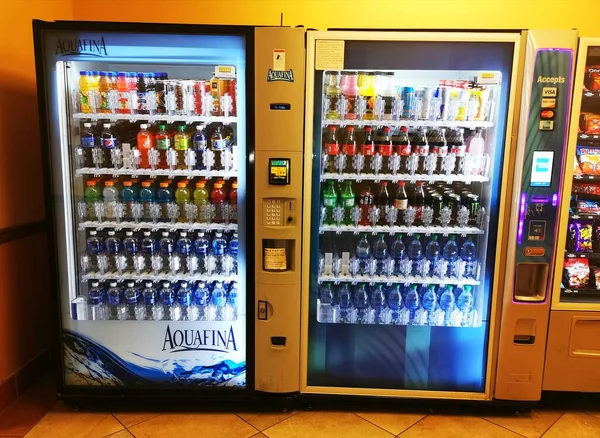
597	277
586	206
582	237
592	124
592	77
588	158
586	188
577	272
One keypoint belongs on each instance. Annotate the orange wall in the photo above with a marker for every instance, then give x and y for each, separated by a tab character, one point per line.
25	327
322	14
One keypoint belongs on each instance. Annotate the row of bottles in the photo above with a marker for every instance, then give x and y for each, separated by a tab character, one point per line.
415	203
146	252
420	152
397	304
398	256
160	301
158	201
154	147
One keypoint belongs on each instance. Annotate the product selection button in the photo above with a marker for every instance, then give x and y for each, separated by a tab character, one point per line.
534	251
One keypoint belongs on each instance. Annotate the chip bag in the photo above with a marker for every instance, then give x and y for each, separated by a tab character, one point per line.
588	158
577	272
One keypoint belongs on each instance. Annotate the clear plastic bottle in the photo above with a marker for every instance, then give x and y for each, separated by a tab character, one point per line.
97	310
148	249
153	309
218	300
447	304
412	301
378	305
432	252
131	251
135	309
218	145
325	309
94	247
468	254
117	309
181	143
185	252
465	305
361	303
129	195
200	144
363	254
231	310
167	298
180	311
112	245
343	309
232	253
450	254
202	300
219	247
201	248
429	301
415	253
394	301
397	252
167	250
110	195
381	255
109	142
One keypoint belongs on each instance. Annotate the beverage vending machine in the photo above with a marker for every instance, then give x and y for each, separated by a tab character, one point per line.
151	139
423	150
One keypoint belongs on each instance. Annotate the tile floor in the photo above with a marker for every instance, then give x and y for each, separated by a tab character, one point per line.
39	415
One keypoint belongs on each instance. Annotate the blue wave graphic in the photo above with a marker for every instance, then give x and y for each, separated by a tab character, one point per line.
89	363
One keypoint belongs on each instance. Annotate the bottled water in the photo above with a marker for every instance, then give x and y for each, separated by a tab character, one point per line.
167	298
184	251
131	250
148	248
232	264
432	252
363	253
447	304
394	304
377	305
97	310
89	260
117	310
465	305
325	309
201	245
113	248
231	310
343	312
218	300
219	246
429	300
180	310
381	256
167	249
202	300
415	253
135	309
468	253
361	303
152	308
412	302
450	254
397	251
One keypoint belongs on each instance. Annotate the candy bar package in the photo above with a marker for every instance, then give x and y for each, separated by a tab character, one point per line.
586	206
577	272
586	188
588	158
579	237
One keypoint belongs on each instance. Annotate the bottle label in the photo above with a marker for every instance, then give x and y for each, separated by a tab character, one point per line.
85	101
348	202
332	148
349	149
440	151
329	202
104	102
367	150
418	211
182	144
385	150
88	141
163	143
219	145
109	142
422	150
275	259
405	150
459	151
400	204
141	101
200	145
123	99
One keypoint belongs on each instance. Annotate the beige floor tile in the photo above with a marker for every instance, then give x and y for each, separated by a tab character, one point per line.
194	426
123	434
325	425
264	420
576	425
64	422
455	426
394	422
129	419
531	425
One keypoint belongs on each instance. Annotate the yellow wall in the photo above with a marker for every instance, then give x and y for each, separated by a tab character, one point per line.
321	14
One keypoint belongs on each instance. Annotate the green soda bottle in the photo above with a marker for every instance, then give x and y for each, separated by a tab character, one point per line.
92	195
348	202
182	198
330	201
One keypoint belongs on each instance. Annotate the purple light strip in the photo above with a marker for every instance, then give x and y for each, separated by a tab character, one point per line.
521	218
555	200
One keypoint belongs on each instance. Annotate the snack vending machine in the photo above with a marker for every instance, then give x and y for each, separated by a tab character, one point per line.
573	351
149	147
412	141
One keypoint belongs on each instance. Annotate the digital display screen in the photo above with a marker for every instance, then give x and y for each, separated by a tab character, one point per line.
279	171
541	169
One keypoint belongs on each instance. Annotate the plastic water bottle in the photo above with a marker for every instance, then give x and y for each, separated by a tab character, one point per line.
343	312
201	245
432	252
450	254
398	252
202	300
468	253
152	309
361	303
233	250
325	309
97	310
218	300
394	304
378	305
363	253
167	298
412	302
447	304
113	249
131	250
415	254
465	304
135	309
219	246
430	303
231	310
180	310
89	260
148	249
184	250
381	255
116	308
167	248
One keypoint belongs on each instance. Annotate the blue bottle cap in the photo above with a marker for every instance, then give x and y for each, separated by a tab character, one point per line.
95	72
103	73
84	73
